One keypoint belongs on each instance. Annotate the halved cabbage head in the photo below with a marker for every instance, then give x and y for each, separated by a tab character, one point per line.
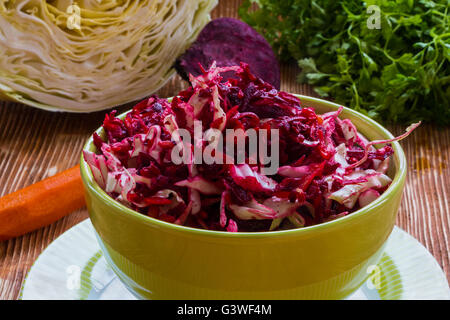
87	55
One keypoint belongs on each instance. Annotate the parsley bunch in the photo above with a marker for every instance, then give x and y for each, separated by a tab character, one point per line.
398	73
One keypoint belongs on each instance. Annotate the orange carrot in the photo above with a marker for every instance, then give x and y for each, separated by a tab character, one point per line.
41	204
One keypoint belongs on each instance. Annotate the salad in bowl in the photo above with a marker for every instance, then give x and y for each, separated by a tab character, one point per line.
324	169
235	190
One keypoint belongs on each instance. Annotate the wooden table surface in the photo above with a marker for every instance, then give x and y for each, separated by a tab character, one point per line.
35	144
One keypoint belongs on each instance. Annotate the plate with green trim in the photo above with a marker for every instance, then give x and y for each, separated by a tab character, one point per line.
73	268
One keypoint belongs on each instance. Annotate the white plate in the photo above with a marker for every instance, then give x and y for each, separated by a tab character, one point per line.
73	267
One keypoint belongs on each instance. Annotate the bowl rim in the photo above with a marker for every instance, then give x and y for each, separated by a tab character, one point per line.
400	175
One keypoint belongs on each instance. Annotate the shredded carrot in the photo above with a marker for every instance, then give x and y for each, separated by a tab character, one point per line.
41	204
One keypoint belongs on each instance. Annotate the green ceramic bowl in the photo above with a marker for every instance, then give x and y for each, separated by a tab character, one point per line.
159	260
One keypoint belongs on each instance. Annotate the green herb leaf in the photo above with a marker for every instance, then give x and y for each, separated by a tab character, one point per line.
399	73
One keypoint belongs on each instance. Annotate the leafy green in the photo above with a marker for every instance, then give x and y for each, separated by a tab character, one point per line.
397	73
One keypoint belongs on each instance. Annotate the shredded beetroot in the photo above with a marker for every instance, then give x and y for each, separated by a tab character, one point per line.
327	169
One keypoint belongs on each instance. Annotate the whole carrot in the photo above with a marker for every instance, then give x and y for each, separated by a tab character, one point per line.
41	204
